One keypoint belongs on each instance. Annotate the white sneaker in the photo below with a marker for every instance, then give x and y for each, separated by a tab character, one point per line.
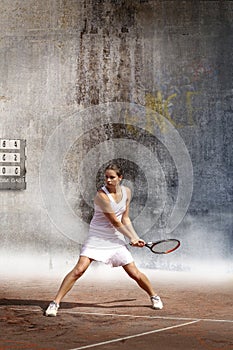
52	309
156	302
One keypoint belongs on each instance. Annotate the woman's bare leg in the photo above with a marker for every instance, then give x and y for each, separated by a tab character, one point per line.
68	282
140	278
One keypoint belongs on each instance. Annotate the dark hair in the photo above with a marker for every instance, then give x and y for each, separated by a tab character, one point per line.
115	167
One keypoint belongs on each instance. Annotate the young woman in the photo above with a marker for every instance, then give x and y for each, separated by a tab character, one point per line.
106	240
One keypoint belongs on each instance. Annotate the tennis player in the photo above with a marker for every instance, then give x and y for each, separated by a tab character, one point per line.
106	240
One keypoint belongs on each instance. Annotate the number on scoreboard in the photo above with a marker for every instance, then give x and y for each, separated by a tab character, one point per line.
10	157
10	170
10	144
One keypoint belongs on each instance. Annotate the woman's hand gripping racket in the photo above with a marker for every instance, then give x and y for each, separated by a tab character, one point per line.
164	246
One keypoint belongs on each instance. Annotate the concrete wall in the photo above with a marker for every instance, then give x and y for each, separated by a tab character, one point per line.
172	60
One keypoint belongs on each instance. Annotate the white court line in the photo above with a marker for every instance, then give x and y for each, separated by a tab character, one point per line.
146	316
126	315
135	335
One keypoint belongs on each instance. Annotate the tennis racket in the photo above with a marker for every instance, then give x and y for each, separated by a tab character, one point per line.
163	246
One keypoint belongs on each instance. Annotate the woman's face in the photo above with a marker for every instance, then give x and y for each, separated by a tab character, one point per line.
111	178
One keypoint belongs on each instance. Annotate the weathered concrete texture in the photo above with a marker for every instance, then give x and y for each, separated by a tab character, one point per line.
172	57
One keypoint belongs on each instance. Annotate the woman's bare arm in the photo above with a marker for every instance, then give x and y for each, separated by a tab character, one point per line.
126	218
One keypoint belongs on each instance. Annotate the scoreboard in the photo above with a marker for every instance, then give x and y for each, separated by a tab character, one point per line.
12	164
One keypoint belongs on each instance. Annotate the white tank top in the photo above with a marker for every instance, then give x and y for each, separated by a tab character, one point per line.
99	220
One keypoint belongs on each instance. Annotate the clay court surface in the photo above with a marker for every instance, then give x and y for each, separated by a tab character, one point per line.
106	310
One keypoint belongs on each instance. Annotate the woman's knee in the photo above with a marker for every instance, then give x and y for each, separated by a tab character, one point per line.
80	268
133	272
137	275
77	272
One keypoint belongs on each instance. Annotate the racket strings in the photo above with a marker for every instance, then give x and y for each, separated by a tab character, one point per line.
164	247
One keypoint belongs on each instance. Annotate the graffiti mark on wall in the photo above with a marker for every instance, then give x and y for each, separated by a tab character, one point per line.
164	107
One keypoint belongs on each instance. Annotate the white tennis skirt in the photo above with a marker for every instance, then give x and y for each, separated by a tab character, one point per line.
114	257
